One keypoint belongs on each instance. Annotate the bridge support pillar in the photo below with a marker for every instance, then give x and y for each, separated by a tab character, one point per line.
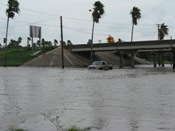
173	58
159	58
132	59
162	58
121	60
155	60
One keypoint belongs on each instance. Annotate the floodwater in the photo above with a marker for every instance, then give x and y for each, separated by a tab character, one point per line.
45	99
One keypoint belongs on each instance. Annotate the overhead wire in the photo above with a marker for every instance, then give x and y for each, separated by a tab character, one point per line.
155	8
146	14
87	32
76	19
71	18
28	23
31	10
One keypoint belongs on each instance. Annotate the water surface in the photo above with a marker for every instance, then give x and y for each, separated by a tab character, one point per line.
140	99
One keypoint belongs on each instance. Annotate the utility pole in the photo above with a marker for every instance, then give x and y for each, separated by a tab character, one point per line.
32	46
159	55
5	52
158	26
92	37
62	50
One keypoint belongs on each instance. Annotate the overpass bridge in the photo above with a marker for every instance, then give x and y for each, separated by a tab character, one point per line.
131	48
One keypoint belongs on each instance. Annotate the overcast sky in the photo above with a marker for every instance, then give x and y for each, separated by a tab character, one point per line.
77	19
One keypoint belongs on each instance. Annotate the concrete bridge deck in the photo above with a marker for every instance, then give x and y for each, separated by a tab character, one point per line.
136	45
131	48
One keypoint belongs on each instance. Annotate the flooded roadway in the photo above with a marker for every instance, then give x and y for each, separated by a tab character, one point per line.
140	99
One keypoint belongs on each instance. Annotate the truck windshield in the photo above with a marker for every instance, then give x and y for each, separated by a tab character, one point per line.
97	63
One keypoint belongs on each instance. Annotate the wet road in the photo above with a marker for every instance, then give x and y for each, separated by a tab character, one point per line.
141	99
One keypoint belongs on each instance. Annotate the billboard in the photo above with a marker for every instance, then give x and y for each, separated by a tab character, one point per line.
35	31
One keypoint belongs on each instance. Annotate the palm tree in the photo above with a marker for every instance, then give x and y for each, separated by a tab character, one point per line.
55	42
135	13
19	40
13	7
163	31
98	11
28	39
43	42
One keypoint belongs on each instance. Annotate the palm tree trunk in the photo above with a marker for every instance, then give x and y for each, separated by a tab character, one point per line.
5	48
92	37
132	32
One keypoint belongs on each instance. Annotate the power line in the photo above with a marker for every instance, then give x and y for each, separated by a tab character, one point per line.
28	23
35	11
87	32
155	8
147	13
77	19
39	12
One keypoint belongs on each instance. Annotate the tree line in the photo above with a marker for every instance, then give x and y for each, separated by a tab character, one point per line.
38	44
97	13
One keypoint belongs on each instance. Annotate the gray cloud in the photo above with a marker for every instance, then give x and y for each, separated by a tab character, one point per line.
77	20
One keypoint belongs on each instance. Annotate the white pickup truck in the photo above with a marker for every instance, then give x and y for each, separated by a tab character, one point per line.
102	65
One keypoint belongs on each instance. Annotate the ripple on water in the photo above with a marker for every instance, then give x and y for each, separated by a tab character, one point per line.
127	99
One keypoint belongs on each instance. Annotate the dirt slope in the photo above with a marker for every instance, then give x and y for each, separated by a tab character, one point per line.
53	59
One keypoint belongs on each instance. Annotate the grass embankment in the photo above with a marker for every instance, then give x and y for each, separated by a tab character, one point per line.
18	56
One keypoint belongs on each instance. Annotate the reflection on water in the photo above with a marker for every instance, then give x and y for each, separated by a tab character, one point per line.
138	99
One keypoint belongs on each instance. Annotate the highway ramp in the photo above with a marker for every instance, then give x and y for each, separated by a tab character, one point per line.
54	59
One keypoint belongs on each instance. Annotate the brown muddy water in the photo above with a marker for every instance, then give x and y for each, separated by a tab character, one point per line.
140	99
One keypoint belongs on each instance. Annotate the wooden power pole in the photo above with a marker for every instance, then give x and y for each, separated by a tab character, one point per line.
62	44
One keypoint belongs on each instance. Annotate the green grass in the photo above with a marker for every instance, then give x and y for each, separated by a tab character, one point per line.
18	56
74	128
19	130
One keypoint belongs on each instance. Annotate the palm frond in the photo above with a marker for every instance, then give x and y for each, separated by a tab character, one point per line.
135	13
98	11
13	7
